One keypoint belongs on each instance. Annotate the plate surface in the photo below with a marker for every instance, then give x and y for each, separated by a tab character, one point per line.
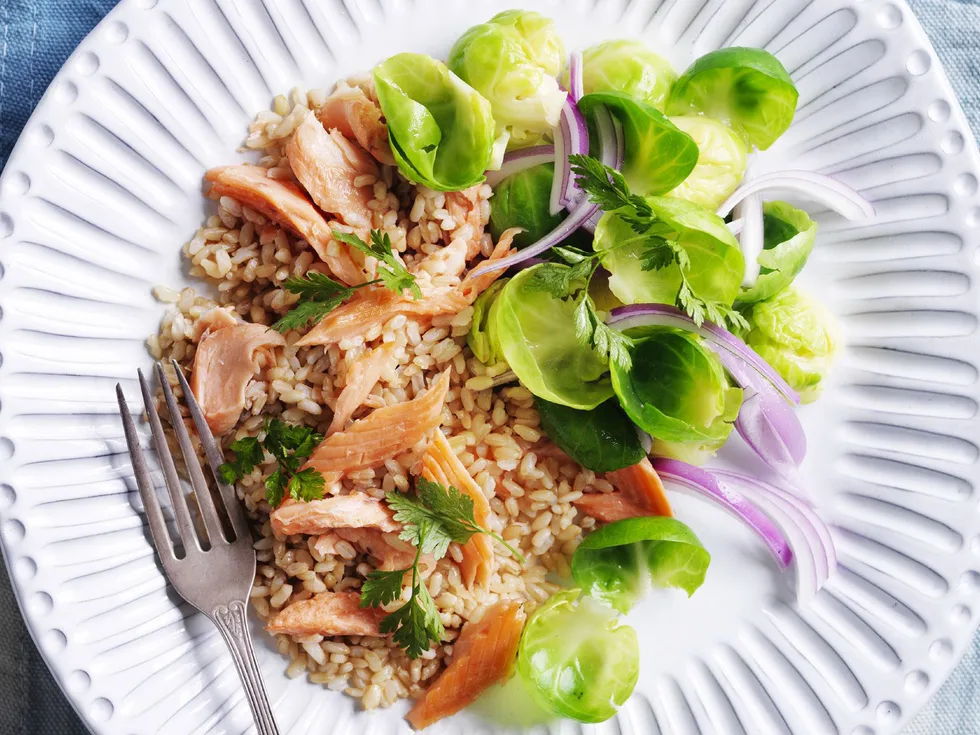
105	185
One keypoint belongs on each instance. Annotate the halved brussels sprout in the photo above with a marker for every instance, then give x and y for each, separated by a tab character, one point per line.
717	264
577	659
535	334
797	335
627	65
441	129
677	390
659	155
479	338
788	242
748	88
523	200
514	60
601	440
721	161
618	562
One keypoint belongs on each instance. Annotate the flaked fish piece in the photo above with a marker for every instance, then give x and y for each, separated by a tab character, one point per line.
483	655
464	207
286	204
374	542
357	510
328	614
358	117
225	361
375	305
363	375
440	464
214	320
639	492
327	165
382	434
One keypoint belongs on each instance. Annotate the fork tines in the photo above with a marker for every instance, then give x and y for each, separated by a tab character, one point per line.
215	531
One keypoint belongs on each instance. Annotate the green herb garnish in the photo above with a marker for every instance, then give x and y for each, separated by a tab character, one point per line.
431	520
393	274
289	444
319	295
608	188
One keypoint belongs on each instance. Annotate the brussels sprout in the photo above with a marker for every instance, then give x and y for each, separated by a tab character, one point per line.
577	659
659	155
787	243
514	60
441	129
716	267
523	200
745	87
677	391
628	66
797	336
617	563
484	349
721	161
535	334
601	440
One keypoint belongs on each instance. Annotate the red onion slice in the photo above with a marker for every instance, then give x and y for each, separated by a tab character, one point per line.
575	219
752	237
731	350
575	76
820	188
571	137
613	155
813	546
520	160
707	485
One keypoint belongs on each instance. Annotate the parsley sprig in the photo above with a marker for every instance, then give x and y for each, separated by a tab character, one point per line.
431	520
290	445
319	295
393	274
562	282
608	188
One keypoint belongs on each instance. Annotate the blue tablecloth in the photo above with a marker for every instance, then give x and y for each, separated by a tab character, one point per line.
36	36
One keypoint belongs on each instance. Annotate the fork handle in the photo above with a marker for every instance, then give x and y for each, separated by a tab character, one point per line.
230	620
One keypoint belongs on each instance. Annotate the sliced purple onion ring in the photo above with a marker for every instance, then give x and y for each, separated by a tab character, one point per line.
707	485
813	546
520	160
579	214
612	155
731	350
771	428
571	137
752	237
820	188
576	85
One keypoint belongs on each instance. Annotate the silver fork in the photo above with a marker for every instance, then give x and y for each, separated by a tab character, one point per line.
216	581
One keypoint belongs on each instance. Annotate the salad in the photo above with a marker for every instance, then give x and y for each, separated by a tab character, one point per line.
473	314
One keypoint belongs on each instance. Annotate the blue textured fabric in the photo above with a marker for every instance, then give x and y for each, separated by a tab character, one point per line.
36	36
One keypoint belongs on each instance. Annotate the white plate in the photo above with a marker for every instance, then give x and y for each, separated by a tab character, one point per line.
105	185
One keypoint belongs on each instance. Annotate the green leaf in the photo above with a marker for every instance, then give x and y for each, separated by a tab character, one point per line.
659	155
441	129
616	563
611	345
275	488
382	587
562	281
416	624
319	295
602	440
306	485
248	454
393	274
